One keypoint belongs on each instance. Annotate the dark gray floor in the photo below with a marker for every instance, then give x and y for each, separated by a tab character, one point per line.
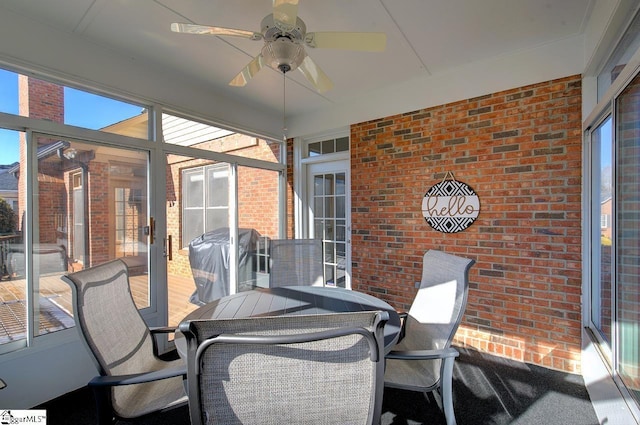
488	391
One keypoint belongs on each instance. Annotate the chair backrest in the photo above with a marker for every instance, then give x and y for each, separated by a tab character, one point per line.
321	369
111	324
437	309
296	262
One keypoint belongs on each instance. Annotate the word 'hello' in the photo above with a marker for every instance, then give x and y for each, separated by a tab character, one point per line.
456	206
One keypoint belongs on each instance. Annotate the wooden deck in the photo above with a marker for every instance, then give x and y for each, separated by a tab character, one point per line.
55	306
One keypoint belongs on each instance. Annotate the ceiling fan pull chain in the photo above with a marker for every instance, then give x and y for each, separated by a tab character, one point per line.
284	107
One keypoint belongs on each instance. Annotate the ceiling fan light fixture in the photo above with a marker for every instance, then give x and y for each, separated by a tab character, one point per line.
285	36
283	54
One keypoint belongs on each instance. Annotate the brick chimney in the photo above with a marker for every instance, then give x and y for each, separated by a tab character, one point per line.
40	99
36	99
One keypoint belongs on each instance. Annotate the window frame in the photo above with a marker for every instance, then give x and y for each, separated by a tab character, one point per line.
205	171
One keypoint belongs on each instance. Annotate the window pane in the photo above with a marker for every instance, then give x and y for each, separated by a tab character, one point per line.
602	281
318	231
258	211
342	144
315	149
193	225
193	182
91	208
186	132
31	97
13	288
327	147
340	184
8	92
218	186
97	112
217	218
318	183
340	207
628	235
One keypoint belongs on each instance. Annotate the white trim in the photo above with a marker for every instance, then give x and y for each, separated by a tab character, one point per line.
233	227
299	182
30	229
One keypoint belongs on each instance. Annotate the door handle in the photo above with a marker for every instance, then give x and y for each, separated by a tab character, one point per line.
152	230
168	248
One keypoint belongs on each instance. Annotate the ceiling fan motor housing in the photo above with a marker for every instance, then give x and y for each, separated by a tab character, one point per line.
271	30
283	50
283	54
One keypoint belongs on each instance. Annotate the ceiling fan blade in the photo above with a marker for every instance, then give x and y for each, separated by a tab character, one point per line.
285	14
207	30
315	75
362	41
248	72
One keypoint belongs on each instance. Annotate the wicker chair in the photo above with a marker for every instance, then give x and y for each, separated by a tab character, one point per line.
423	359
296	262
133	381
320	369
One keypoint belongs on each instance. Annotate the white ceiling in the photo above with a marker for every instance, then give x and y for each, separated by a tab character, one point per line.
478	44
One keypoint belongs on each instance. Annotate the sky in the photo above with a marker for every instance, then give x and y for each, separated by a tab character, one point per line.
82	109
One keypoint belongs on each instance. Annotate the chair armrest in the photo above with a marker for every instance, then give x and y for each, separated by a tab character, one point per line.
423	354
163	329
156	332
403	325
138	378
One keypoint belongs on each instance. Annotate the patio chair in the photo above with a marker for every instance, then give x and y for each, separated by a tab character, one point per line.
133	380
423	359
296	262
320	369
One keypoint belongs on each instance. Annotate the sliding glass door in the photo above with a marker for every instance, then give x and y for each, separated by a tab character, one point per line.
223	205
627	236
88	203
614	229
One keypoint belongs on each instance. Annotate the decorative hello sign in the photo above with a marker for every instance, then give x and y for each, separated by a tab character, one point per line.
450	206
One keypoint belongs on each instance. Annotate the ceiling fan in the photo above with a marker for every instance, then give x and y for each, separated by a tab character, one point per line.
285	36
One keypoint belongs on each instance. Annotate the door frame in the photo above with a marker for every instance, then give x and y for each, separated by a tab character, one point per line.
301	199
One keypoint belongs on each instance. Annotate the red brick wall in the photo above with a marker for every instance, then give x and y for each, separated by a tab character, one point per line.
51	197
520	150
100	233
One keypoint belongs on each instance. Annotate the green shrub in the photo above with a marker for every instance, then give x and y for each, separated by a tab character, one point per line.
7	218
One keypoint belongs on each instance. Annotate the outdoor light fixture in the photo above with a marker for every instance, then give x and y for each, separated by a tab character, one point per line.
70	153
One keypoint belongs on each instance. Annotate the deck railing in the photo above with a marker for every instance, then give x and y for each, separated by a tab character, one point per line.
5	246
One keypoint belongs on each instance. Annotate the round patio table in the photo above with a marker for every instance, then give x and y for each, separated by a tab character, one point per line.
294	300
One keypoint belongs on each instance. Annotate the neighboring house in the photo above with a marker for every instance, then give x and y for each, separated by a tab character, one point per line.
9	186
